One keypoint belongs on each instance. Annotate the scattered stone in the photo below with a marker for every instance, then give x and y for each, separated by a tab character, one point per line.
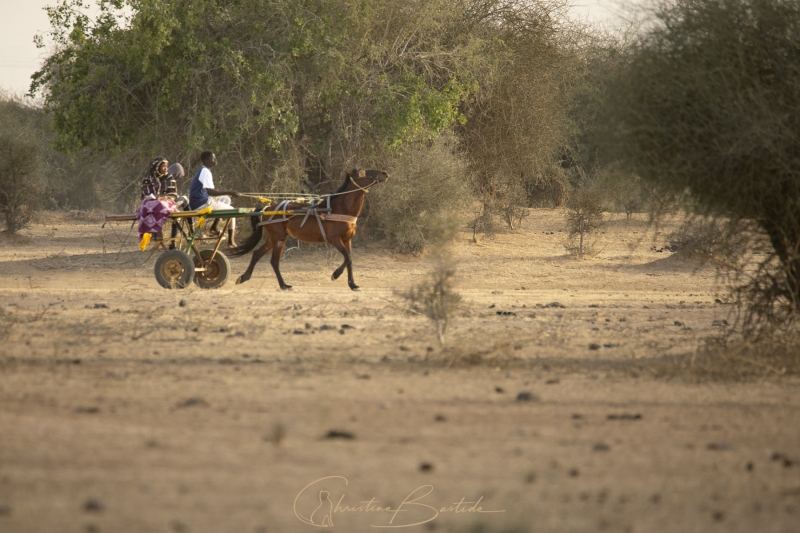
594	346
506	313
611	345
426	467
718	446
787	463
225	361
601	447
718	516
440	418
192	402
593	306
719	323
179	527
555	305
624	416
530	477
574	472
499	390
677	323
277	435
363	376
336	434
526	396
553	381
93	505
326	327
299	332
655	498
577	416
182	303
347	326
88	410
491	306
749	466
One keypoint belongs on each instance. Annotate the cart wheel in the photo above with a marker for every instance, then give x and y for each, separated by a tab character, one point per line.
216	272
174	269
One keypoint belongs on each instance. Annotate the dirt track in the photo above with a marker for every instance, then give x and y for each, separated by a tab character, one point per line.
128	408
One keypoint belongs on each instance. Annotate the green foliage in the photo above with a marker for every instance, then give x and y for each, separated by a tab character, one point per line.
707	102
338	80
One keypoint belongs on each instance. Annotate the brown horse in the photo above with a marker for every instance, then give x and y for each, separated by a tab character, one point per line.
336	225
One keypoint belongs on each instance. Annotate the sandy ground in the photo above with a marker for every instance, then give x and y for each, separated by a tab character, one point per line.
125	407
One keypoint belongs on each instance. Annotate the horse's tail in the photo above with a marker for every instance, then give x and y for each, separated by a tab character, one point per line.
251	241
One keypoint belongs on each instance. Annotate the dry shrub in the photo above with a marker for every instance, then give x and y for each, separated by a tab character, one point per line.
705	103
20	188
483	222
730	358
584	215
435	296
709	239
427	179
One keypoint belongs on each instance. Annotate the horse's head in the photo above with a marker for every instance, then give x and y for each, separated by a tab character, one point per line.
364	177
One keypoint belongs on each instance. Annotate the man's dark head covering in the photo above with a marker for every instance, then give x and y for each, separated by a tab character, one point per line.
176	169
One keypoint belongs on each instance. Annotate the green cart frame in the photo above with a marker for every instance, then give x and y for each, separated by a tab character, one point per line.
182	261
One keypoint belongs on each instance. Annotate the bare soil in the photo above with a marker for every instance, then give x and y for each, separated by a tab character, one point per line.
125	407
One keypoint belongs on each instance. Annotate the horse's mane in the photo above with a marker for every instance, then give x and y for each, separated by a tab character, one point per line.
344	185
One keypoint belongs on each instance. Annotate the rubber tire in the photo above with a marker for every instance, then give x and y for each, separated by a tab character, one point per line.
220	270
174	269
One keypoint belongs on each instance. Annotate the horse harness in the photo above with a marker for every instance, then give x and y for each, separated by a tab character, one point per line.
319	212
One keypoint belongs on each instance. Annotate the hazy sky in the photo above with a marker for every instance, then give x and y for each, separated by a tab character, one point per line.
22	19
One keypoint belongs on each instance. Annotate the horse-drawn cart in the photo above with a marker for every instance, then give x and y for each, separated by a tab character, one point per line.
332	219
182	260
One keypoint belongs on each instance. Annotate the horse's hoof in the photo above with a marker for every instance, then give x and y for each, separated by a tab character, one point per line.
286	288
355	287
239	280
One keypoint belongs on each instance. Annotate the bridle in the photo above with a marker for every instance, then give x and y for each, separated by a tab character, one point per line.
374	181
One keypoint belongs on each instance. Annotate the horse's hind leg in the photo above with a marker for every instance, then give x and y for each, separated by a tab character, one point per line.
257	255
277	251
344	248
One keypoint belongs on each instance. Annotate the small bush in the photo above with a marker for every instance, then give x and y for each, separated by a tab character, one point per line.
733	358
19	190
425	181
435	296
709	239
584	215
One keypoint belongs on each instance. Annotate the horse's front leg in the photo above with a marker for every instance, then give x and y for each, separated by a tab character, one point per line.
257	255
277	251
344	248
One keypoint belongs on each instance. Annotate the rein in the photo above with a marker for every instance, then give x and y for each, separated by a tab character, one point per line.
304	197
